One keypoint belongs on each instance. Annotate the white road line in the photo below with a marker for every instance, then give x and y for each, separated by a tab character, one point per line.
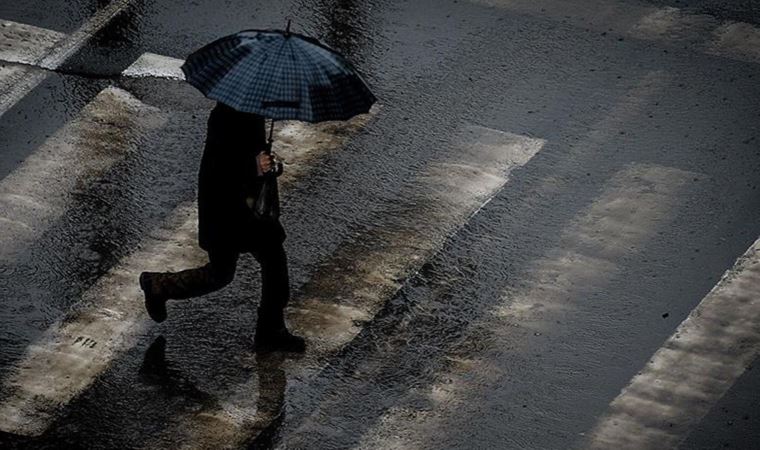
693	369
74	351
705	33
574	265
53	57
634	205
153	65
26	44
736	39
67	358
12	74
360	277
38	192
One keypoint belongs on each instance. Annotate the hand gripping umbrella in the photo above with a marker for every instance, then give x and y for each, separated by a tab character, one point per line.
280	75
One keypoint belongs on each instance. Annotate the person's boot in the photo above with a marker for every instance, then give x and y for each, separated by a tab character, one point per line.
272	335
155	303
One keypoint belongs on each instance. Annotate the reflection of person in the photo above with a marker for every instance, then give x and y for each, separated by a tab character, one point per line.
264	426
157	371
232	174
270	410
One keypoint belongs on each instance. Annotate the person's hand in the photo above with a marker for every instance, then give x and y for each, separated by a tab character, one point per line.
266	162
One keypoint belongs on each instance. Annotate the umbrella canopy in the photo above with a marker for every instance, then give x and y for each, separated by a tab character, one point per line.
280	75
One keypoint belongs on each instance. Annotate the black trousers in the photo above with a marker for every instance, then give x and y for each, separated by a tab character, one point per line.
219	272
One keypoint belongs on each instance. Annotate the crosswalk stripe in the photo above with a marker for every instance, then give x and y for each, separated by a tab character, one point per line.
705	33
153	65
361	276
38	192
695	367
57	54
72	352
736	39
633	206
622	186
26	44
65	360
23	46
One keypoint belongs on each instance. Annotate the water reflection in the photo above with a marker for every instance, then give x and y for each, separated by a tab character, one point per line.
264	428
156	371
271	401
345	25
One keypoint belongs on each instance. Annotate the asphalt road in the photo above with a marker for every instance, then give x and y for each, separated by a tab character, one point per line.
523	245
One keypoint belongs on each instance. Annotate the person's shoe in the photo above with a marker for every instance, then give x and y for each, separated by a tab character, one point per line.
154	304
277	340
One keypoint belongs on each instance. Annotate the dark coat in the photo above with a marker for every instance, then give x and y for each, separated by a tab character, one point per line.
227	176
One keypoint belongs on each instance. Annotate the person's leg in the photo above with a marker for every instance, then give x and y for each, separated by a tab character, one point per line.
271	331
275	283
162	286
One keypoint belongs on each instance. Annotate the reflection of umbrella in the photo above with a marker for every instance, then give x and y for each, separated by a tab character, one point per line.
280	75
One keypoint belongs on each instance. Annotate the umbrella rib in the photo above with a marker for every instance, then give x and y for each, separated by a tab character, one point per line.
267	73
210	69
317	77
281	66
331	60
307	81
230	72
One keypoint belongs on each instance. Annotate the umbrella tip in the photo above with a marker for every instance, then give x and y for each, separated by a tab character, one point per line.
287	28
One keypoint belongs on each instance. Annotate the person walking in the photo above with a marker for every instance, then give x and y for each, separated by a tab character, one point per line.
233	171
253	74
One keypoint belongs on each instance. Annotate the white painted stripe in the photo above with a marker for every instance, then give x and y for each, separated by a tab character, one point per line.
74	351
12	74
26	44
152	65
673	24
738	39
694	368
634	205
16	82
38	192
68	357
705	33
354	285
57	55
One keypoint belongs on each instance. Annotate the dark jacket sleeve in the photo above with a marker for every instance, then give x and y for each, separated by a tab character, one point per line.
227	174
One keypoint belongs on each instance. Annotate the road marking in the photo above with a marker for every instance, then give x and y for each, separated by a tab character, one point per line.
621	192
53	57
695	367
737	39
26	44
361	276
77	348
61	364
634	204
153	65
39	191
704	33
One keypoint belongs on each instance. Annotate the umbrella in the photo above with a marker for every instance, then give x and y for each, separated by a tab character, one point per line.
280	75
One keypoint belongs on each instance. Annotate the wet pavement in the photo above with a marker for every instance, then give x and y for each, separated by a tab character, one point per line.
540	205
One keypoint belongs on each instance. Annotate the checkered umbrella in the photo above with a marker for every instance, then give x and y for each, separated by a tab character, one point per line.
280	75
